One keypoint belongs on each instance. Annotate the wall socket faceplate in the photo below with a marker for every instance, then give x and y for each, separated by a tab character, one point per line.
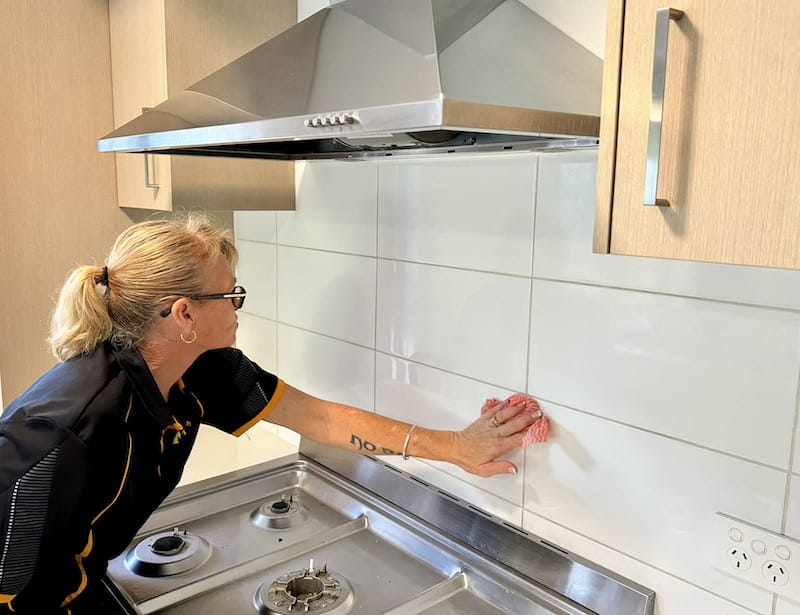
758	556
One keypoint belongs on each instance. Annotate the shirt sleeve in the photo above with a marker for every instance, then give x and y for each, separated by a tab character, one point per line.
233	392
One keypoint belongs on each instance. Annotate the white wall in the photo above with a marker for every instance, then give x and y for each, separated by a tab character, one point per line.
418	288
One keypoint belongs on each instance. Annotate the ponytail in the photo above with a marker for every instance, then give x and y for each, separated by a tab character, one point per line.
151	264
81	320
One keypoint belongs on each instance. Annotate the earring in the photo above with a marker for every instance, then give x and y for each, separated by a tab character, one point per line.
191	341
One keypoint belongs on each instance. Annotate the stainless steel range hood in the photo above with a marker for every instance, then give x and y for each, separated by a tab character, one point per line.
368	78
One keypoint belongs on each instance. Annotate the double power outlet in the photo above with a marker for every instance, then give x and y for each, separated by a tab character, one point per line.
761	557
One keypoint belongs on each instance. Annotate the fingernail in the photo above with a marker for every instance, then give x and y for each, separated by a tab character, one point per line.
512	470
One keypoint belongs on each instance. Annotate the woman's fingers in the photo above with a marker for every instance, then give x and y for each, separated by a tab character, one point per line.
509	411
493	468
511	419
519	423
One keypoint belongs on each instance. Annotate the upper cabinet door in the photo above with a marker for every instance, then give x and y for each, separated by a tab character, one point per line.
728	164
161	47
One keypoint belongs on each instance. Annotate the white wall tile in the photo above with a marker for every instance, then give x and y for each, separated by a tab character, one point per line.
473	212
336	207
702	371
258	338
256	272
326	368
468	322
786	607
566	203
673	596
255	225
650	497
328	293
437	400
216	452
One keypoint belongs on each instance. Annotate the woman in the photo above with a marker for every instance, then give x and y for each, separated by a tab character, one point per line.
145	344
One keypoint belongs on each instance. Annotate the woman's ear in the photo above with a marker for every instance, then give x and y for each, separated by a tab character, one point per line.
182	312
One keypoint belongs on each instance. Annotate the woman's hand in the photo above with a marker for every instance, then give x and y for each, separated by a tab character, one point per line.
498	431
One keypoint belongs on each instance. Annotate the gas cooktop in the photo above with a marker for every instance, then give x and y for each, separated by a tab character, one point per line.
335	533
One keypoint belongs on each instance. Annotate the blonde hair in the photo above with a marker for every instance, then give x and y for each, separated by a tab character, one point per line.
150	264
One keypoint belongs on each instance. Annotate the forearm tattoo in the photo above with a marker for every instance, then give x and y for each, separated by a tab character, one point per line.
360	444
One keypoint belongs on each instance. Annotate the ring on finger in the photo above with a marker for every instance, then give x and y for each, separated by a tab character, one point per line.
494	421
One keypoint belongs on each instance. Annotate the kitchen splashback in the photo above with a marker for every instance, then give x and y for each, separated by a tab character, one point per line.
671	385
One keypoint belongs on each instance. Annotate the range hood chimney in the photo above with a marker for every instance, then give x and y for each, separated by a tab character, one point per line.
369	78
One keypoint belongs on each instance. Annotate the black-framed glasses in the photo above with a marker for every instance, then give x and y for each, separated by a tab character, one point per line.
237	297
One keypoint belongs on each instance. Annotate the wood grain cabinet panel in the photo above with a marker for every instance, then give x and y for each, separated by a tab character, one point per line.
730	148
159	48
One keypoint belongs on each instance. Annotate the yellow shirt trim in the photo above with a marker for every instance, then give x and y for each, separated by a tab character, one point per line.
90	542
276	397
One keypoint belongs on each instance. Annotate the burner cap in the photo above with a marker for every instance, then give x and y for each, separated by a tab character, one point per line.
167	545
281	514
281	506
168	553
305	591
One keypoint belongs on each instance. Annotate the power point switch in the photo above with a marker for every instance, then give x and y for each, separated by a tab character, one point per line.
757	555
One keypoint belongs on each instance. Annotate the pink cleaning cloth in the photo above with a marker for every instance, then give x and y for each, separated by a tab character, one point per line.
539	431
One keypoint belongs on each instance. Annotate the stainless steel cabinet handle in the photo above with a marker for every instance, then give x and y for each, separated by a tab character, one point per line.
150	183
147	180
663	17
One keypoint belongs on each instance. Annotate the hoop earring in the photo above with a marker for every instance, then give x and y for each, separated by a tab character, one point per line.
191	341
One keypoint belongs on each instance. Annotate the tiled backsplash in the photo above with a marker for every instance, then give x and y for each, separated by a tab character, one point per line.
418	288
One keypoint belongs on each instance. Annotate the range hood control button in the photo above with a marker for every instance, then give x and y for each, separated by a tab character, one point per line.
329	120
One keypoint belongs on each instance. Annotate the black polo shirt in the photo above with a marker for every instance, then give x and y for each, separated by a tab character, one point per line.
90	451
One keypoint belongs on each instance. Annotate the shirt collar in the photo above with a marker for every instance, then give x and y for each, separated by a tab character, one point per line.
135	368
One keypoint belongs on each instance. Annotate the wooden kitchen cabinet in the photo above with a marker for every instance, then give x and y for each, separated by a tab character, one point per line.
160	47
730	147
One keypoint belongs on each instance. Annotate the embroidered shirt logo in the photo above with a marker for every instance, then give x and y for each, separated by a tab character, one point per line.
180	432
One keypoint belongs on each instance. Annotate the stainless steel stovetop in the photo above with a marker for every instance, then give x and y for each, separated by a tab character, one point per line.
335	533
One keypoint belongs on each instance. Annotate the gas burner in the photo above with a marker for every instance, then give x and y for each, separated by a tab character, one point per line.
168	553
305	591
279	515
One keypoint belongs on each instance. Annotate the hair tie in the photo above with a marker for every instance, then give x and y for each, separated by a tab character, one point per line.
104	277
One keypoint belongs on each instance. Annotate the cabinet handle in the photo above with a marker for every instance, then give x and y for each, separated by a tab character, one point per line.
663	17
147	180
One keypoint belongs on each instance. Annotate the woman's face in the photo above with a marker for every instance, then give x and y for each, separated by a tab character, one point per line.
217	321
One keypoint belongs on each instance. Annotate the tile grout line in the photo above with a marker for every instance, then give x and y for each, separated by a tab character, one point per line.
275	290
634	289
375	323
277	316
792	453
530	327
662	293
